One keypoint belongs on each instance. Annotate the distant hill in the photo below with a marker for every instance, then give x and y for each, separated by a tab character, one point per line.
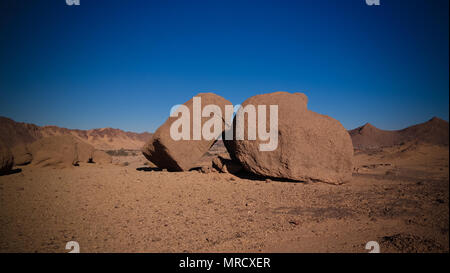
13	133
435	131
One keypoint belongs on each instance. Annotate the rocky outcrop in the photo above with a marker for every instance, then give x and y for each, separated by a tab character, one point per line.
101	157
64	151
225	165
182	155
311	146
22	155
6	158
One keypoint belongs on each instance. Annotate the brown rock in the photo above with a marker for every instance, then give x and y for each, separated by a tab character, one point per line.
311	146
57	151
101	157
63	151
6	158
84	151
205	169
22	156
217	163
181	155
225	165
124	164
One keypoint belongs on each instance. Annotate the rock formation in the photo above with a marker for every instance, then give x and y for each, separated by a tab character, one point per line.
182	155
311	146
6	158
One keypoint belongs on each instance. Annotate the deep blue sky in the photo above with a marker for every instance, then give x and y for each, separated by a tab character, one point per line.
124	64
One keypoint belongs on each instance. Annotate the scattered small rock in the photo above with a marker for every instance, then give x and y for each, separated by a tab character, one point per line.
225	165
205	169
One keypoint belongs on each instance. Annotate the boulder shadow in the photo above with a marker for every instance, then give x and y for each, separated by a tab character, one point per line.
149	169
9	172
251	176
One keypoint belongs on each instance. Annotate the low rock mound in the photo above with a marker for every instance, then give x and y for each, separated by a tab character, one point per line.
60	151
6	158
64	151
22	155
101	157
311	146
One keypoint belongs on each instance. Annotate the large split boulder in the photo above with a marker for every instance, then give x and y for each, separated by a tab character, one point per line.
182	155
311	146
6	158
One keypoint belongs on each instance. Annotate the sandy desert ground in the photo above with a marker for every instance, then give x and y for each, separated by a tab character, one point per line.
398	197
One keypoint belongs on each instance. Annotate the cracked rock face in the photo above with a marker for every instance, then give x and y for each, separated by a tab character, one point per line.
183	155
311	146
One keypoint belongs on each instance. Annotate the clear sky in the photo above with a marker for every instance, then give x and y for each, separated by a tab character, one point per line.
124	64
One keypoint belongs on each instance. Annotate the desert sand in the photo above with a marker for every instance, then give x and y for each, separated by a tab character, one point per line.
398	196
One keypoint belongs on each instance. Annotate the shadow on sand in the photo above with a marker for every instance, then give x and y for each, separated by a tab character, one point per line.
18	170
241	175
251	176
148	169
